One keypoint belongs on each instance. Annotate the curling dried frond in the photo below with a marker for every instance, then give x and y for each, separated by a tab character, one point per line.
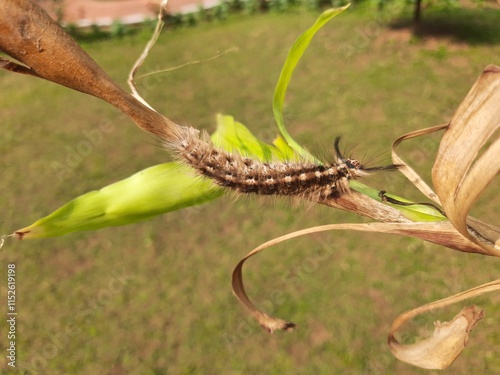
443	347
448	339
459	175
441	233
463	170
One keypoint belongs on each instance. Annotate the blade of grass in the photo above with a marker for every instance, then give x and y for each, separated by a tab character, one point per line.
294	56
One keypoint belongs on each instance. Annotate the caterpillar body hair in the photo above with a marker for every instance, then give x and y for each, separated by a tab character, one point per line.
250	176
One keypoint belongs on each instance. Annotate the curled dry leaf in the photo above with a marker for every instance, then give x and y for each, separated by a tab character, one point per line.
463	170
459	176
443	347
449	338
441	233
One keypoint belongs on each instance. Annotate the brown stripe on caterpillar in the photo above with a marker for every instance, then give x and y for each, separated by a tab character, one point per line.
251	176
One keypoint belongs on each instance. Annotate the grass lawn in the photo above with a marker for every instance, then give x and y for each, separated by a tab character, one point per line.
155	297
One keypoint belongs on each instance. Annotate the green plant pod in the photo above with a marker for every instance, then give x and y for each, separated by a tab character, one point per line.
153	191
294	55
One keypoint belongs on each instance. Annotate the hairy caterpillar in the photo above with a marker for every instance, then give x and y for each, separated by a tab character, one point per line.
251	176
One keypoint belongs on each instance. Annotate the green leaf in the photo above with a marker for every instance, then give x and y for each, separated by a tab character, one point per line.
417	212
151	192
294	56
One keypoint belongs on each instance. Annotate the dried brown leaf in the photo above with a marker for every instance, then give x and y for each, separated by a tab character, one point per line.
444	346
442	233
459	174
449	339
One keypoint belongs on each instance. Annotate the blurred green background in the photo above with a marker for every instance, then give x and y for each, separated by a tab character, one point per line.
155	297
